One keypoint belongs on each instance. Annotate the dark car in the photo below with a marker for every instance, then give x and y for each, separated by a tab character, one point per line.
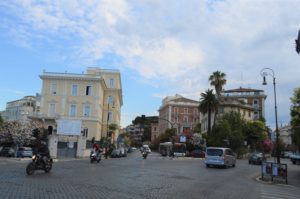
7	151
197	153
24	152
116	153
255	158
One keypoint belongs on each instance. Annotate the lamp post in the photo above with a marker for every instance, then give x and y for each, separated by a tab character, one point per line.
265	72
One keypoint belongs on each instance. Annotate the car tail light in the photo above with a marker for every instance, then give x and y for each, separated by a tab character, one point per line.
222	157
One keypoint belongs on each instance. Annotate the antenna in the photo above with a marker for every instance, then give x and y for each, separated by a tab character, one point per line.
242	80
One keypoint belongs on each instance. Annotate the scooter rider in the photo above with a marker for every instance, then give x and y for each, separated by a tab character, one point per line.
43	151
97	150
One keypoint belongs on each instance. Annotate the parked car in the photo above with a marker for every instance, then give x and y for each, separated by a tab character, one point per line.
286	154
116	153
217	156
255	158
197	153
24	152
7	151
295	158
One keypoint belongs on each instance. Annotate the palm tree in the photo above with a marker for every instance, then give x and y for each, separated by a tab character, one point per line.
217	79
208	104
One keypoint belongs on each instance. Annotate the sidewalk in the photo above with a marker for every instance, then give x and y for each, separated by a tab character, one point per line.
293	175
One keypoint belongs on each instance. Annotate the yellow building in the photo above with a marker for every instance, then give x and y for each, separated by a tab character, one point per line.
79	107
250	103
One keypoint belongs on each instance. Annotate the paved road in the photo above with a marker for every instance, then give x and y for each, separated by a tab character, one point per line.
134	177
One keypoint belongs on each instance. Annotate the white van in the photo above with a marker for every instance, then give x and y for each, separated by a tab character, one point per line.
217	156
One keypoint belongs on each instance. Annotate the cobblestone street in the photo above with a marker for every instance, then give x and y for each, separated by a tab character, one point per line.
132	177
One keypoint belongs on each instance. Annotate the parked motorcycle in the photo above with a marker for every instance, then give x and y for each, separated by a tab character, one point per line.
38	163
93	157
144	154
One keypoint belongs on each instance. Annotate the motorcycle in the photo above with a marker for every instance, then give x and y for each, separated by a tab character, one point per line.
93	157
38	163
144	154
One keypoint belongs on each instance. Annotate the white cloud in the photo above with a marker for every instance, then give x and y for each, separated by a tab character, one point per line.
178	44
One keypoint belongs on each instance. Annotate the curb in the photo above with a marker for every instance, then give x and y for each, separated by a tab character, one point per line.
258	178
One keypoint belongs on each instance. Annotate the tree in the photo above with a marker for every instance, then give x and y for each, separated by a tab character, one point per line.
298	43
255	133
1	120
112	128
145	124
217	79
197	128
295	117
15	133
228	132
208	103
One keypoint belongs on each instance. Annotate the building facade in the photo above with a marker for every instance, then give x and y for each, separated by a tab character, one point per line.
90	102
179	113
252	97
285	134
19	110
250	103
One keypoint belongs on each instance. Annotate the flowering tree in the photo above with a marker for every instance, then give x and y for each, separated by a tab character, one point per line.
13	132
267	145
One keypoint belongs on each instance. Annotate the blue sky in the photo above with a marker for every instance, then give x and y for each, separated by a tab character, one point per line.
161	47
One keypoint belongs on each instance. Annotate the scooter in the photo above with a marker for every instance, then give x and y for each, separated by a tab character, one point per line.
144	154
93	157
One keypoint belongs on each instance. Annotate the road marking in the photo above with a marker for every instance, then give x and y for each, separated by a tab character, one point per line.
279	192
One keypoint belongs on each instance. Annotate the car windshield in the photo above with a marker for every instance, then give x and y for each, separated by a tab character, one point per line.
259	155
214	152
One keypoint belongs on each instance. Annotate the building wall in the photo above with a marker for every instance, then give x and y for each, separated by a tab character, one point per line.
89	104
285	134
182	112
19	110
154	131
240	100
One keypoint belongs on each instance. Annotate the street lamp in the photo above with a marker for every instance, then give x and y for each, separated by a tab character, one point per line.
265	72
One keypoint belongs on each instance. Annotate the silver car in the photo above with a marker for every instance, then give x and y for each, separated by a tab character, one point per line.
217	156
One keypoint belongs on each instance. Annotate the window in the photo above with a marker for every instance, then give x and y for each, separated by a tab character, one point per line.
255	103
51	110
109	117
110	99
86	111
88	90
74	90
256	116
111	82
221	110
185	119
53	88
85	132
73	110
185	110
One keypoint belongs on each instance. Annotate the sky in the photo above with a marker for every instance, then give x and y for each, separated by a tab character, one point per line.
161	47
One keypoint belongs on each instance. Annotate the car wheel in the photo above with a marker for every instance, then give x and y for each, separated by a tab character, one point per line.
249	161
233	165
207	165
